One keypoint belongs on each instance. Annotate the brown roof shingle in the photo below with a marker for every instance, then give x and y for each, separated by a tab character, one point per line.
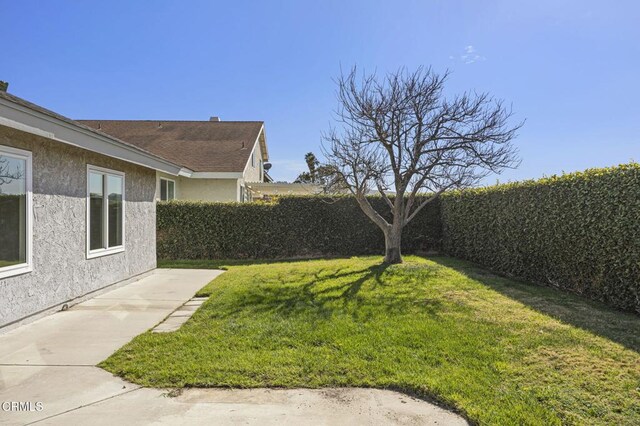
19	101
202	146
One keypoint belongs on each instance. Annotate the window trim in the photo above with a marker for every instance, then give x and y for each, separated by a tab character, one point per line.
23	268
160	189
92	254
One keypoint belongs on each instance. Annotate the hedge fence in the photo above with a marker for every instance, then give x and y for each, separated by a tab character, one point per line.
291	227
579	231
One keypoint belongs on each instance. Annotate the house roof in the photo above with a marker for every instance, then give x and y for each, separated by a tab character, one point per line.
201	146
23	115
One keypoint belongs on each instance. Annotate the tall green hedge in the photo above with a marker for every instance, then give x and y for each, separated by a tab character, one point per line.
292	226
579	231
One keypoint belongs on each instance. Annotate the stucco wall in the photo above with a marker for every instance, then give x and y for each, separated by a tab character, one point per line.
61	271
252	173
223	190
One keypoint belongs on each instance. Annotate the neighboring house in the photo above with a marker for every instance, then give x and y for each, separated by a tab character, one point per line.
77	209
219	158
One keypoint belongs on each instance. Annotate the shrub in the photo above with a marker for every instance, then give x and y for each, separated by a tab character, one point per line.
292	226
579	231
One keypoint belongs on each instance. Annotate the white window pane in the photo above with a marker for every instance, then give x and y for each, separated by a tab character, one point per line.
163	190
13	211
171	190
114	191
96	211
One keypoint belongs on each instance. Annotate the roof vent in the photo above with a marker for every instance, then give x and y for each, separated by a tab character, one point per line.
3	86
214	118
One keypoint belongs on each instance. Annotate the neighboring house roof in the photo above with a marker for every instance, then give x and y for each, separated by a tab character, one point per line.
201	146
23	115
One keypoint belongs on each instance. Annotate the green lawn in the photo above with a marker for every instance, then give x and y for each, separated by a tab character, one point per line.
499	351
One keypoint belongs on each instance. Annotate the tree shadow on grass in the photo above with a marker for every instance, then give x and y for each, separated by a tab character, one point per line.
607	322
327	293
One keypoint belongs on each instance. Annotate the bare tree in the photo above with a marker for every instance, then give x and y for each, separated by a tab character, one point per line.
400	136
6	175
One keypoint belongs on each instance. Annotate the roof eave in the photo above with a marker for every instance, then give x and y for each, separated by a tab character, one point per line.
216	175
263	149
22	118
262	137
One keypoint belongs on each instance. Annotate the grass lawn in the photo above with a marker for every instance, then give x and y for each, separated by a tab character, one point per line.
499	351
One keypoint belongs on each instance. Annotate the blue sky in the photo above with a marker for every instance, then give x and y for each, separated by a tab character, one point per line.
571	68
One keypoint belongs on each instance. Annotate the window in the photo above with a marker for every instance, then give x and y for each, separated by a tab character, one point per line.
15	212
105	212
245	194
253	159
167	189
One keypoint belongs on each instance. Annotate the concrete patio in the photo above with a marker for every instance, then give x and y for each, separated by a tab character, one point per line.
52	361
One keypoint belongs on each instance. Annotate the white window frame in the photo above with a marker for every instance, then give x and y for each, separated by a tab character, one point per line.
160	189
91	254
253	159
22	268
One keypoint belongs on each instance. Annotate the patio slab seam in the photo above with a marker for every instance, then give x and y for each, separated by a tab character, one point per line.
84	405
181	315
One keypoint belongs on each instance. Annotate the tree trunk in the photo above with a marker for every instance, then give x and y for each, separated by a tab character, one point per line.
392	242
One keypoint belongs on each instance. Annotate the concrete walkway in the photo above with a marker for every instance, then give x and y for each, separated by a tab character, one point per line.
52	362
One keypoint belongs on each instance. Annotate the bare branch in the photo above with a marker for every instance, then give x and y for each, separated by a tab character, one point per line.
9	174
400	131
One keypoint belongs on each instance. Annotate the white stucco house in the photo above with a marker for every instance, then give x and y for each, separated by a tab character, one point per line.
77	210
78	198
220	159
